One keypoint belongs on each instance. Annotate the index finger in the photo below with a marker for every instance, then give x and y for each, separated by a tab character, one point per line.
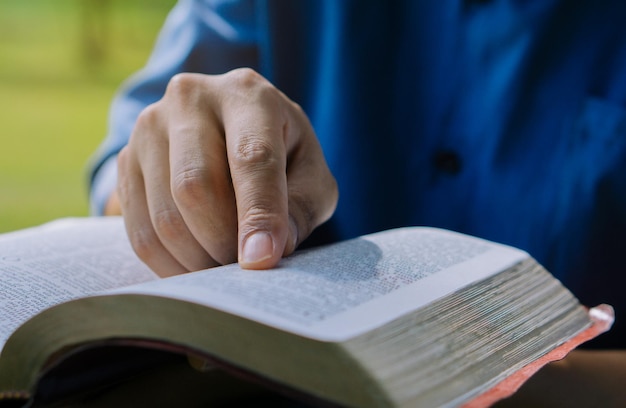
257	156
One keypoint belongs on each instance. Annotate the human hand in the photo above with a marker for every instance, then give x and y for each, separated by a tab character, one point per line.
222	168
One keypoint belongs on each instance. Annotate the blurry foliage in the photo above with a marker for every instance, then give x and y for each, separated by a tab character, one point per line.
60	64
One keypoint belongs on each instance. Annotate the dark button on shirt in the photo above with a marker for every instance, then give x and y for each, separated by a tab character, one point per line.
471	3
479	1
447	161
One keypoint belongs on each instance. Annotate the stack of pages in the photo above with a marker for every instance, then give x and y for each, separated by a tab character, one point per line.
401	318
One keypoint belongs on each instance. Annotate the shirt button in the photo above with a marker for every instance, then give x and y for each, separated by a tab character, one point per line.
475	3
447	161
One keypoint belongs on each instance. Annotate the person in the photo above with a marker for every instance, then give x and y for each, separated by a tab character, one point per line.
498	118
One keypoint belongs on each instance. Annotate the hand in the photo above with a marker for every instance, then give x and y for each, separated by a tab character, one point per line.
222	168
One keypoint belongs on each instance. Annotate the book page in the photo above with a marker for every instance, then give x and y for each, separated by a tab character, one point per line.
345	289
62	260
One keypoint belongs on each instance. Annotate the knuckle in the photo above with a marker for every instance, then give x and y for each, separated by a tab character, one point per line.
147	118
245	77
169	225
190	186
253	150
182	84
143	243
261	216
248	85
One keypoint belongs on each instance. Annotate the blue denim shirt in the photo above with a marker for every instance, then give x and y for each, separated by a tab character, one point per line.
504	119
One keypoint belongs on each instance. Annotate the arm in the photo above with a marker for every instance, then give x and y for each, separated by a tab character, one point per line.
271	179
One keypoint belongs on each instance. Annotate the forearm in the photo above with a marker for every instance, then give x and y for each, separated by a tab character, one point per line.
586	378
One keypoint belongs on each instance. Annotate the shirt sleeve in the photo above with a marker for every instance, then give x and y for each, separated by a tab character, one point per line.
204	36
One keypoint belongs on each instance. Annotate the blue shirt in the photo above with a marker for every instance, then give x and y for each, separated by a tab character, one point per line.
504	119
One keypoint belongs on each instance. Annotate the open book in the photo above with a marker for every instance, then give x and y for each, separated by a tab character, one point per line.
407	317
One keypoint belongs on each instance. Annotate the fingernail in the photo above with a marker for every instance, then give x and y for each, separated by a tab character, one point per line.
257	248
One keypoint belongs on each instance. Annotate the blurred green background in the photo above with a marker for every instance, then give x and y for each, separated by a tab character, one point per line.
61	62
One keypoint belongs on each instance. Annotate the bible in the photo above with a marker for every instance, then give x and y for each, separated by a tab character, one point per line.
408	317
